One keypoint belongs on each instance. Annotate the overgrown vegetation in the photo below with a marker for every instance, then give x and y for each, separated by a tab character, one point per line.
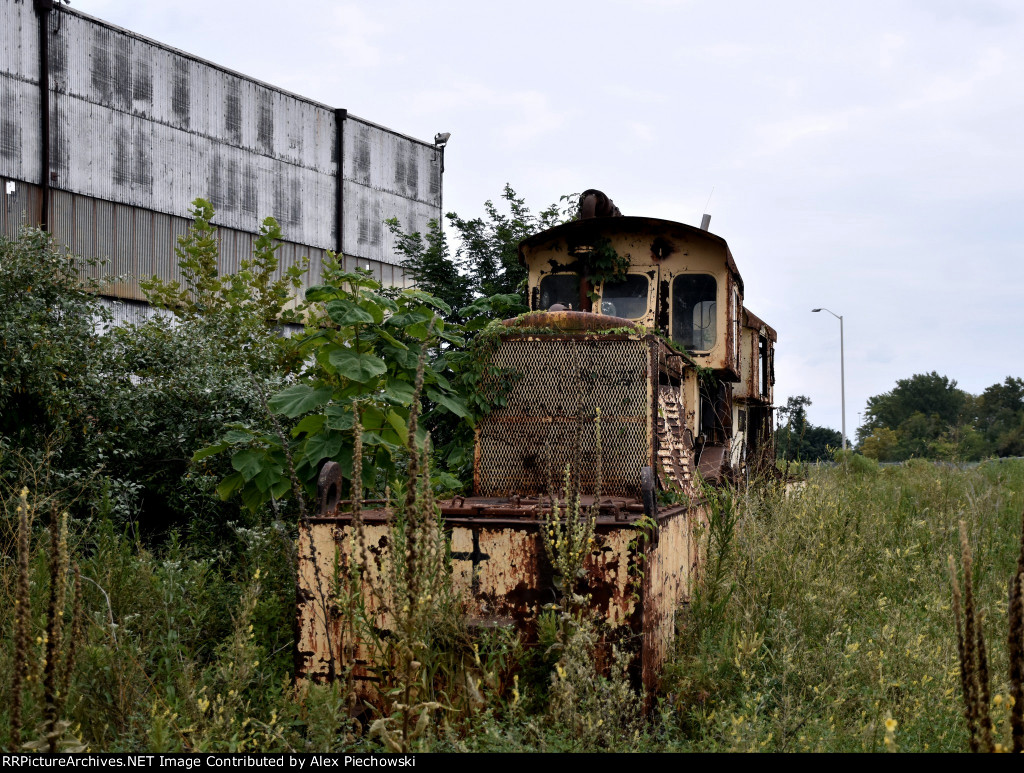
927	416
142	611
797	440
838	631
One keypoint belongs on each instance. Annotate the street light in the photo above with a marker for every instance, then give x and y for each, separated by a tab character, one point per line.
842	369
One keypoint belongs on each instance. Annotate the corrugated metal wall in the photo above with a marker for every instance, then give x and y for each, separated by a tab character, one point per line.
386	175
138	243
139	130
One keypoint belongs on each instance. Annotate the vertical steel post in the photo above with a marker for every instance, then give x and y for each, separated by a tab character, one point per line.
842	377
42	9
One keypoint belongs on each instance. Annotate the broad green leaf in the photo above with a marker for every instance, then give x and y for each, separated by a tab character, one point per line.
376	439
230	485
454	404
427	298
339	417
357	278
446	481
371	417
400	426
271	441
386	303
453	338
437	376
323	333
248	462
357	367
406	358
321	293
401	392
373	309
324	445
477	323
268	477
345	313
253	498
298	399
202	453
420	330
390	338
392	438
309	424
234	436
411	317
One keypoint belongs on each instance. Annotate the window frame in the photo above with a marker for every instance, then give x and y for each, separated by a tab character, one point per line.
672	308
647	303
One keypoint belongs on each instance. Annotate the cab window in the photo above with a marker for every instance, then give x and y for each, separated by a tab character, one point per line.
627	299
560	288
694	311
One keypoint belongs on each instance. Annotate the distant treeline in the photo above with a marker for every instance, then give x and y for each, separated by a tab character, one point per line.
925	416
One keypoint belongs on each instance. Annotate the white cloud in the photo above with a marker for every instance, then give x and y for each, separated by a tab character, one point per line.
517	118
890	47
356	38
945	87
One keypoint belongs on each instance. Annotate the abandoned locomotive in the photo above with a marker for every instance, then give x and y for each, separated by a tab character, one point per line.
639	367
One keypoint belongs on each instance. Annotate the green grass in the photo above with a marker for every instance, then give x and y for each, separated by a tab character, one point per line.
840	612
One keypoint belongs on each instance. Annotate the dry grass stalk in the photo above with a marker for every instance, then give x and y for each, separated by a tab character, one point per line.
22	619
77	632
1016	651
974	677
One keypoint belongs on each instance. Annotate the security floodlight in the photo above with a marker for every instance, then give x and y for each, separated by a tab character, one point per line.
441	139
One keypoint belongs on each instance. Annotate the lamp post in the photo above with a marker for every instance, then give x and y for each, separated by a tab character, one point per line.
842	370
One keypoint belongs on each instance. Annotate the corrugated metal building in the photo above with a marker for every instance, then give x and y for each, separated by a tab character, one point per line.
135	130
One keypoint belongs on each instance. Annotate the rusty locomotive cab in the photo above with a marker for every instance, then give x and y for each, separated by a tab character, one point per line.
639	367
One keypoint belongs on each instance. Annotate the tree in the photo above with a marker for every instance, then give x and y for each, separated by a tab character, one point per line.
362	350
426	259
929	394
924	416
50	346
1000	416
489	246
797	439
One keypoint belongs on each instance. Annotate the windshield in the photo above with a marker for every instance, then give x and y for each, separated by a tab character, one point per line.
627	299
560	288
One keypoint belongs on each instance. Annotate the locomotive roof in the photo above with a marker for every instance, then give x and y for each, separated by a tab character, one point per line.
603	226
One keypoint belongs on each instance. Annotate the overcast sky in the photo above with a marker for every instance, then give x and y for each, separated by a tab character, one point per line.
865	157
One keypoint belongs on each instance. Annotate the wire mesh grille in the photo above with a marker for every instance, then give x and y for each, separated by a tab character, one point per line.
553	389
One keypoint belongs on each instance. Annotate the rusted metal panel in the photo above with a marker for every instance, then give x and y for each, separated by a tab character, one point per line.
662	249
19	41
500	570
139	243
384	160
546	423
19	100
